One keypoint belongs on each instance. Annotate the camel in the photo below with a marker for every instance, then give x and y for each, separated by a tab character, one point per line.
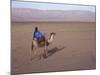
43	42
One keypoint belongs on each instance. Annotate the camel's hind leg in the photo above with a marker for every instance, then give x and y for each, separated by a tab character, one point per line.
45	51
32	46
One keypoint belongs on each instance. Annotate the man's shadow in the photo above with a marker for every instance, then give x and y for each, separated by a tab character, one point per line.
54	50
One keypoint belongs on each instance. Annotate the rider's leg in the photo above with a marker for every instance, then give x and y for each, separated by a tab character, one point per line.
35	45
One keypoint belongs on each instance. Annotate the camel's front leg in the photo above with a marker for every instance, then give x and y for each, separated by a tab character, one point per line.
46	50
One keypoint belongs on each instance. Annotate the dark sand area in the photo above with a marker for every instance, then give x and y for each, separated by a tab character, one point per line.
74	47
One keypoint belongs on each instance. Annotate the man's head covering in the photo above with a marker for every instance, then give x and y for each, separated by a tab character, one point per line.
36	28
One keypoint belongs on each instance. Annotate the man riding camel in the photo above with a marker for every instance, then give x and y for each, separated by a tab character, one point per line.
40	40
38	36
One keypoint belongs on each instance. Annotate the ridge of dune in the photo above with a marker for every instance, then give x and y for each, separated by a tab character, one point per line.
28	14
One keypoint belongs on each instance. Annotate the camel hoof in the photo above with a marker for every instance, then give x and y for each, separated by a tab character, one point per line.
39	58
32	59
45	56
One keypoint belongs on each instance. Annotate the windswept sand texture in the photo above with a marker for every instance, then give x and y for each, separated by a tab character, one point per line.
74	47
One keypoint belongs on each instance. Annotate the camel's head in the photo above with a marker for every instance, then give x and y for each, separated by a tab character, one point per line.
51	38
53	33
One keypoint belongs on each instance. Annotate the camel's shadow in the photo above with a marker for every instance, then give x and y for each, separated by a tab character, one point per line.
50	52
54	50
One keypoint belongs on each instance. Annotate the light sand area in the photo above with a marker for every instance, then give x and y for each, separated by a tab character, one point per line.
74	47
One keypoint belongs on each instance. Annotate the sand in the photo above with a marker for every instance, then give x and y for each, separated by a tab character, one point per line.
74	47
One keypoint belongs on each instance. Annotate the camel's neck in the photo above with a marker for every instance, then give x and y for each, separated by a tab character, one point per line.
51	38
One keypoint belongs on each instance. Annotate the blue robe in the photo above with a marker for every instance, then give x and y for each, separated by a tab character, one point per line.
38	35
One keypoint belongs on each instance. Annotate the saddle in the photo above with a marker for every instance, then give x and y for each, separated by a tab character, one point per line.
41	41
